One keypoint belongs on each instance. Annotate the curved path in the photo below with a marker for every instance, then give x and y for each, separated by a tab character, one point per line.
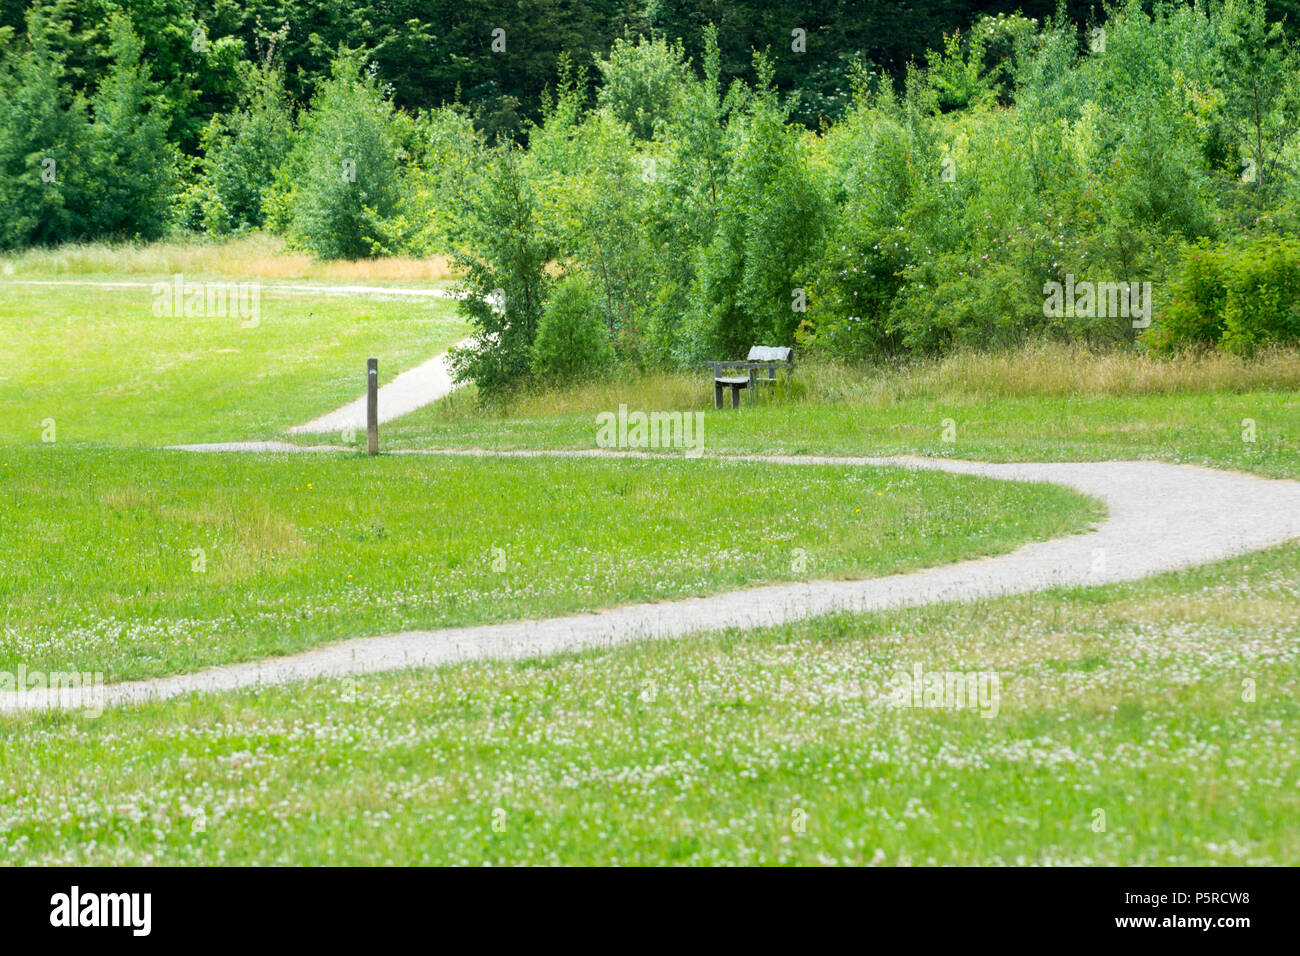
290	286
412	389
1161	517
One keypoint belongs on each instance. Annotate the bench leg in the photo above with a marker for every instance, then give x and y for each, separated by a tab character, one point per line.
735	396
717	394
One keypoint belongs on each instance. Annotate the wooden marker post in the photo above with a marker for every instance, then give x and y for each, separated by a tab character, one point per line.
372	406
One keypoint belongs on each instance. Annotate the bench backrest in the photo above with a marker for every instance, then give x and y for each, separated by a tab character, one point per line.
769	353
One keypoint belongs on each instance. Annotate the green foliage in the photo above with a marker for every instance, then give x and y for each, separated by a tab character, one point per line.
880	157
504	253
771	217
340	192
690	169
1000	40
948	226
1259	80
243	150
571	343
132	164
957	72
1242	295
927	219
642	82
446	151
43	131
1263	302
194	67
73	169
1197	295
596	191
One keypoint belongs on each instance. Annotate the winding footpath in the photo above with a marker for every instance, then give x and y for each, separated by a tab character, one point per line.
1161	517
412	389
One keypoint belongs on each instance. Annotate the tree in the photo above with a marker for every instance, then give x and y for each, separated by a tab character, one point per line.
43	130
503	253
132	165
340	193
772	216
243	151
1258	78
593	181
642	82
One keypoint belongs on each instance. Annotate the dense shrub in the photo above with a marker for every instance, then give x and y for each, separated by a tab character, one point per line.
1242	296
340	193
1263	302
504	254
1193	314
571	343
243	150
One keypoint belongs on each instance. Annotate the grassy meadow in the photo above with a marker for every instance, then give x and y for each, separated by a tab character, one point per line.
1169	705
98	363
739	748
1042	403
172	561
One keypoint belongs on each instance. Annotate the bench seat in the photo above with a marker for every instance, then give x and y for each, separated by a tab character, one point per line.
765	359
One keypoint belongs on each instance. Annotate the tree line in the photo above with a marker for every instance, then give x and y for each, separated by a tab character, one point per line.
666	206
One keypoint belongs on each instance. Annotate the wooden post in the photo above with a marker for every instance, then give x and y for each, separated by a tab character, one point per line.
372	406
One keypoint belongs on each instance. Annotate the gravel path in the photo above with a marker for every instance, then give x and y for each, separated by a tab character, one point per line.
272	285
1161	517
412	389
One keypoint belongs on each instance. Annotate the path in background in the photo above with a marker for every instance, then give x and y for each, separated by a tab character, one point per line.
272	285
1161	517
410	390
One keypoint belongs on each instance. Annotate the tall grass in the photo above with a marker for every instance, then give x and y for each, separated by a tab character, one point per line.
1047	370
256	256
1055	369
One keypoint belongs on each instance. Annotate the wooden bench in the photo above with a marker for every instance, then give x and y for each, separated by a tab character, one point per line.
760	366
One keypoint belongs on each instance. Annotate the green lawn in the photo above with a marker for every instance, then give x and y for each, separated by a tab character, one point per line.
1164	709
101	366
139	563
1124	699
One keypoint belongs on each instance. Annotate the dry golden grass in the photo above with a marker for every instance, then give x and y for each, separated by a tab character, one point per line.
1033	371
1053	369
644	389
1047	370
253	257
